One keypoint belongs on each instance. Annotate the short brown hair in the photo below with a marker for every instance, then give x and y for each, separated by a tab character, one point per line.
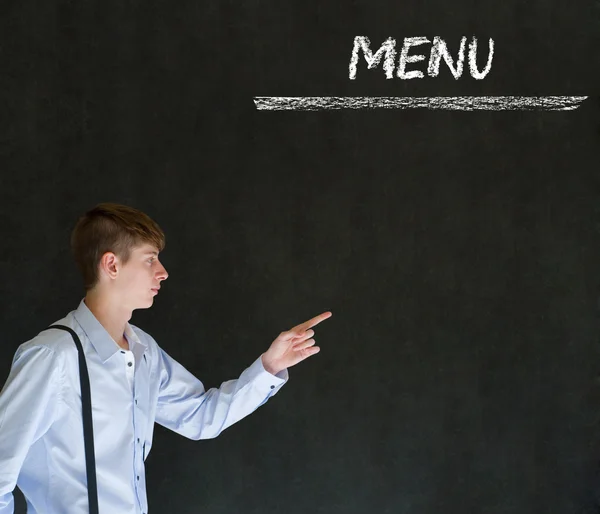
110	227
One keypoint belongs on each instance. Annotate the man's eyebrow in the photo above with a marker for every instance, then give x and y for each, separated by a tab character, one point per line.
151	253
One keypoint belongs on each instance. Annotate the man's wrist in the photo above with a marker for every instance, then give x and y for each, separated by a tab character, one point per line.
269	368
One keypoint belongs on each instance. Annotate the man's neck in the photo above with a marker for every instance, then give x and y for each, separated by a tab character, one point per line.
110	317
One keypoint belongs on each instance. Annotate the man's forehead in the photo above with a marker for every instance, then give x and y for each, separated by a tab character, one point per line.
146	248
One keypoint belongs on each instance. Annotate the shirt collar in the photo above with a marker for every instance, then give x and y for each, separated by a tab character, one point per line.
136	345
101	340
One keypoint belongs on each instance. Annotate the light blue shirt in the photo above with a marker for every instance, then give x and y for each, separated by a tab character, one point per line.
41	434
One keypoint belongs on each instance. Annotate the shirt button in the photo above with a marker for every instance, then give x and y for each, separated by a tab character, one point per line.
138	477
122	351
130	364
136	401
138	439
272	387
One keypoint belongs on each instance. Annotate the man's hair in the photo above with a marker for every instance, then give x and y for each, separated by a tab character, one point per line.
110	227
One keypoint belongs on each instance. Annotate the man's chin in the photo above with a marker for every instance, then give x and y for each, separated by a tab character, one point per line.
145	305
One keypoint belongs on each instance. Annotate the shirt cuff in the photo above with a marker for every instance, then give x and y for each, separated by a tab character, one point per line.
262	379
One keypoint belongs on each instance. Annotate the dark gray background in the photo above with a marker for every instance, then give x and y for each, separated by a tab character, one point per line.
459	252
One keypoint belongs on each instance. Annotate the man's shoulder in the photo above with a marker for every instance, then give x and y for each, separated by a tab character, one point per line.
52	340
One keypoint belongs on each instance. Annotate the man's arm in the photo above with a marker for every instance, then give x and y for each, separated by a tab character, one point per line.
28	404
185	407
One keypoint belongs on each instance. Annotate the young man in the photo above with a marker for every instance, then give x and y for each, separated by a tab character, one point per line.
133	381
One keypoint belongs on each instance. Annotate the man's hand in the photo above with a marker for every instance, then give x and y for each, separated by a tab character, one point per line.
292	346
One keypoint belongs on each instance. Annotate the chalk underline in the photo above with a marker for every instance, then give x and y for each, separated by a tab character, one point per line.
450	103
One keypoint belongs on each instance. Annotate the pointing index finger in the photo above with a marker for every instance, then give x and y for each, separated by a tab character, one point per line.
312	322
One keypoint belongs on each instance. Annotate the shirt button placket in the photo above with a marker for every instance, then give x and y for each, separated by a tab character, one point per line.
137	449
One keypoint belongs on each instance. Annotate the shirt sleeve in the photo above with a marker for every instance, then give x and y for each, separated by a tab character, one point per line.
28	406
185	407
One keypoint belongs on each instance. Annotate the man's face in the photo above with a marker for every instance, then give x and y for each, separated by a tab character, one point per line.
140	277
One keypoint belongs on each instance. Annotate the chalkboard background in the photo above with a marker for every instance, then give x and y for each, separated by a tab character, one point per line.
458	251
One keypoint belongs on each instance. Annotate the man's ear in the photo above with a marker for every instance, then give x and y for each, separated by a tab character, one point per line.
109	265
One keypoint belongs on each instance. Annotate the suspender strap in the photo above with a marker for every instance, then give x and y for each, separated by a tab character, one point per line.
88	428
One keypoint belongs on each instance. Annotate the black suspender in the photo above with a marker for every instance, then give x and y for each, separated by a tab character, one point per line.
88	428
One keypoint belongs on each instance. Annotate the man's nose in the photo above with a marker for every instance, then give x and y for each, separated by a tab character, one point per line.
162	273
